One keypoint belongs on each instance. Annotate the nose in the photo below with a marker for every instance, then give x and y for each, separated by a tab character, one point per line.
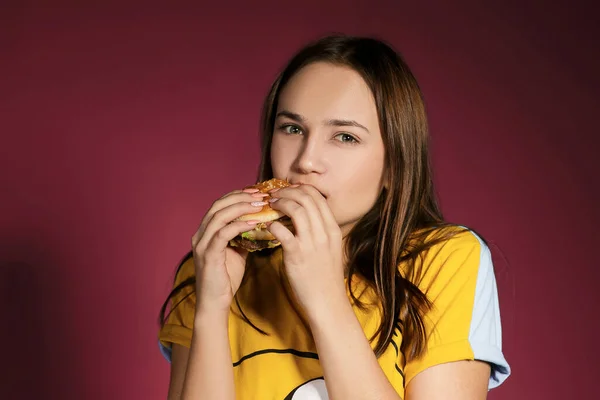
310	159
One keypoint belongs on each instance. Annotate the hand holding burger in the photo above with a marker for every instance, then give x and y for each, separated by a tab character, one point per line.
260	238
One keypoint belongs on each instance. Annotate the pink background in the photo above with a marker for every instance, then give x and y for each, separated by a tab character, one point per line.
121	124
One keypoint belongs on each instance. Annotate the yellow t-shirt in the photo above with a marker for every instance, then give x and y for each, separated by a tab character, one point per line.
457	276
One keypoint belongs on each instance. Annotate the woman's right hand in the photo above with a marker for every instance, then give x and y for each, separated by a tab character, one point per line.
219	267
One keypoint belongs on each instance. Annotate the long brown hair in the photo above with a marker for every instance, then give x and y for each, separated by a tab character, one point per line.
406	219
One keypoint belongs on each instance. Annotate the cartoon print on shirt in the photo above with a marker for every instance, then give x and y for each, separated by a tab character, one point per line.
314	389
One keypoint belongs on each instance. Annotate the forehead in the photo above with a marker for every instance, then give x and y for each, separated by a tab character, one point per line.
322	90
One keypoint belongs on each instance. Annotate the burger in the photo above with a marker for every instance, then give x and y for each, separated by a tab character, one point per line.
259	238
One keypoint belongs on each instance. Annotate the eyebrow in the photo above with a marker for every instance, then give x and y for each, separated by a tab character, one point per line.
331	122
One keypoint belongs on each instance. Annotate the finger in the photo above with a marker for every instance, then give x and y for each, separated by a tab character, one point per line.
297	214
237	196
224	217
219	241
306	201
283	235
331	224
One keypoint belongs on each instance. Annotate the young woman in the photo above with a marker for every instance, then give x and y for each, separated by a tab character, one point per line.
374	295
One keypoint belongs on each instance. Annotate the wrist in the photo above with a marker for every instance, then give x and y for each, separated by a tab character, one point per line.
327	311
211	319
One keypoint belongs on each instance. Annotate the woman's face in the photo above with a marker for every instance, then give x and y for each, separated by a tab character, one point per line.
326	134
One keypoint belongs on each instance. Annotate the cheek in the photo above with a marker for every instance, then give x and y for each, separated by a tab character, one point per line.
281	157
357	188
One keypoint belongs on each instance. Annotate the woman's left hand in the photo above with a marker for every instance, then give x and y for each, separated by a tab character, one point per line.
313	255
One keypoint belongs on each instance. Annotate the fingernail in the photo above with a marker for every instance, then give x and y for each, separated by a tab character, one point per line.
252	222
274	190
273	200
260	194
295	185
250	190
258	203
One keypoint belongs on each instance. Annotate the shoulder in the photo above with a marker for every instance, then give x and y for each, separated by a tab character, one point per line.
185	269
453	237
183	288
448	256
458	245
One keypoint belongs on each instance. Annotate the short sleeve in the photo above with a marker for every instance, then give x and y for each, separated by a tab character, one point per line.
180	321
464	323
